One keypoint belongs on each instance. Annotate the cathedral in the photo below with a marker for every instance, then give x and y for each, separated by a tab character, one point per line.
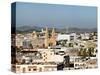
44	39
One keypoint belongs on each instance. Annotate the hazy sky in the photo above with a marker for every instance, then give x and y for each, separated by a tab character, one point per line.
51	15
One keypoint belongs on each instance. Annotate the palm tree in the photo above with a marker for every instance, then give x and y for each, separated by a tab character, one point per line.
84	53
81	52
90	51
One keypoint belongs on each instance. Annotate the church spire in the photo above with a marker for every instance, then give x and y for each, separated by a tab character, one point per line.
34	34
53	32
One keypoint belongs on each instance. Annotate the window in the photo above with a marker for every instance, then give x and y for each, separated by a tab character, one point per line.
29	69
18	66
34	69
44	55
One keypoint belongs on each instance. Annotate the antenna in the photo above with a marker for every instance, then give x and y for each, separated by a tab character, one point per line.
67	29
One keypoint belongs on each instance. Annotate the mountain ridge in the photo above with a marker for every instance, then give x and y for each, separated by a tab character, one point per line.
71	29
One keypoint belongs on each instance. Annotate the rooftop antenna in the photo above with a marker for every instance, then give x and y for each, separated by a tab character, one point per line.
67	29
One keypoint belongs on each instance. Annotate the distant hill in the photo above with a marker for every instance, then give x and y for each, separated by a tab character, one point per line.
36	28
27	29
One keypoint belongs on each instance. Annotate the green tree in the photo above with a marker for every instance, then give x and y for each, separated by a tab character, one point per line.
90	52
84	53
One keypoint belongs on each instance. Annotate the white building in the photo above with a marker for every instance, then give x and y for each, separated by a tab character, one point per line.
49	56
68	37
85	36
63	37
73	36
19	40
